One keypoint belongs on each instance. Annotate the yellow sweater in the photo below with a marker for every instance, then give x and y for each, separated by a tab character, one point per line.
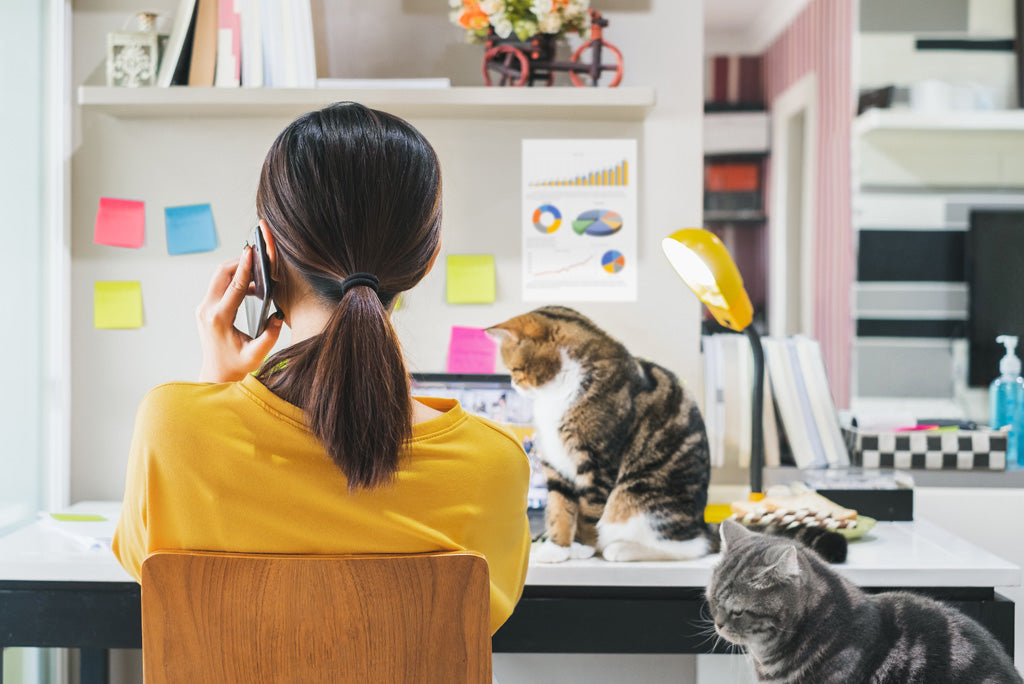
232	467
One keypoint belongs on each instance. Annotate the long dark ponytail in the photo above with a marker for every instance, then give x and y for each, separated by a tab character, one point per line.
349	190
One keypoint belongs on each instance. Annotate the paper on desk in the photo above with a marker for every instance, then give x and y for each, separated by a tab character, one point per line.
90	531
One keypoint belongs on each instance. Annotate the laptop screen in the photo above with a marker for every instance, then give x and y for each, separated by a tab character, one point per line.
492	397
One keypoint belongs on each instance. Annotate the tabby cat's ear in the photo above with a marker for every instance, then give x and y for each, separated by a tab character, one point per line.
732	531
499	333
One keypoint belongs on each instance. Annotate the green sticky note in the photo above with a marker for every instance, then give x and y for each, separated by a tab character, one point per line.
77	517
470	279
117	304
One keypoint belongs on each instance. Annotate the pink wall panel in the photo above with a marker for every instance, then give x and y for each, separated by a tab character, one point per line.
820	41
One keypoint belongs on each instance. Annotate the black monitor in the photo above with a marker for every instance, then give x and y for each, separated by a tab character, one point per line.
994	270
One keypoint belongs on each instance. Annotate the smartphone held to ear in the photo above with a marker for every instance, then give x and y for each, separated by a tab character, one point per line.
258	302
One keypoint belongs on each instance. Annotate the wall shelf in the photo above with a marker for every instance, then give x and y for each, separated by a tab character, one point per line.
886	120
618	104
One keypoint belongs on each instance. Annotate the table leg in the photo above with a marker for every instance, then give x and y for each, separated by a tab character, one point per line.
94	666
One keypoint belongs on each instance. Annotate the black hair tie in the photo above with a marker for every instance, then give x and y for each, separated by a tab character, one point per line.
359	280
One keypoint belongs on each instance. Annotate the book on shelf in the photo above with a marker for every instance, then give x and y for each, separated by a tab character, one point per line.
178	52
305	49
289	54
270	34
228	73
251	44
204	44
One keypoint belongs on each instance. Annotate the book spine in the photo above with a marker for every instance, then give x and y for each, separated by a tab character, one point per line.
176	43
204	44
252	45
229	44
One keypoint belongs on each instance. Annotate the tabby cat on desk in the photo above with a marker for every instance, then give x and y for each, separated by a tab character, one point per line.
802	622
623	444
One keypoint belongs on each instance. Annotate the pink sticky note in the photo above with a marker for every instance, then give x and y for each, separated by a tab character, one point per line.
470	350
120	223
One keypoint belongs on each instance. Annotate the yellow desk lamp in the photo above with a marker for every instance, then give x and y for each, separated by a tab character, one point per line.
703	262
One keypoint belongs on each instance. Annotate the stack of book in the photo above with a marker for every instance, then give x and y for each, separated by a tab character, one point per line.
232	43
801	425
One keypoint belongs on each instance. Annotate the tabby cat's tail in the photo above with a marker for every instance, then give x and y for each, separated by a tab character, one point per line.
828	544
714	539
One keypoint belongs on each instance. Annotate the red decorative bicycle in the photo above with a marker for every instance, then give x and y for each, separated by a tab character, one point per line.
514	62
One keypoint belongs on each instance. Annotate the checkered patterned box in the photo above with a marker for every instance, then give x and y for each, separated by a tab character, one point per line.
961	450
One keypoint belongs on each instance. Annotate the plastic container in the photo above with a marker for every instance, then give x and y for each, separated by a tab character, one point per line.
1006	401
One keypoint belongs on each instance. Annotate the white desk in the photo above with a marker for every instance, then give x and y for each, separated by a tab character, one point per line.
915	554
55	592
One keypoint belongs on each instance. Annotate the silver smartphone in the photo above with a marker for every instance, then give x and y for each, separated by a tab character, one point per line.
258	303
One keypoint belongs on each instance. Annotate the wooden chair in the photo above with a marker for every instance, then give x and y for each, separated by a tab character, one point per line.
248	618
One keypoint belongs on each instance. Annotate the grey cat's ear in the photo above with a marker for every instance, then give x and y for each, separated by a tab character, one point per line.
786	563
732	531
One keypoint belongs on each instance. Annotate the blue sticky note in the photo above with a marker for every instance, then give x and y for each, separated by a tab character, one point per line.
190	229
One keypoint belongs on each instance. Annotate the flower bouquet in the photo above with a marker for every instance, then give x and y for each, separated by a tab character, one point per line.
521	18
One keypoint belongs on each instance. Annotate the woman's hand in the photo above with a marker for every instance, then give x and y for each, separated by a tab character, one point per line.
228	353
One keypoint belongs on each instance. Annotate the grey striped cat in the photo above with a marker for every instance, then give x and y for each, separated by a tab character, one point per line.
802	622
623	444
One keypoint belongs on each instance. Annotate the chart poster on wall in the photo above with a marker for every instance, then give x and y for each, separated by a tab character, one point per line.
579	222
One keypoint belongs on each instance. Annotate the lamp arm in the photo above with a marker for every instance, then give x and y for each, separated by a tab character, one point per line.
757	424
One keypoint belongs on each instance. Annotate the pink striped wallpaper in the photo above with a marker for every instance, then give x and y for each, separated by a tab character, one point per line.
820	40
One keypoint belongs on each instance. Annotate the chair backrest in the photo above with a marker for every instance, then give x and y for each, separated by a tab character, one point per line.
233	617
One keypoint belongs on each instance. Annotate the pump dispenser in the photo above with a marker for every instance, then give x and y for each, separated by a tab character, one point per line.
1006	401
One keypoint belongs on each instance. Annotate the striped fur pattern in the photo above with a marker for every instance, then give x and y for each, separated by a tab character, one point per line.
830	545
802	622
624	446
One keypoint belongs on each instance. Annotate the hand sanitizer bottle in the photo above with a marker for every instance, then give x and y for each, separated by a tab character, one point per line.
1006	401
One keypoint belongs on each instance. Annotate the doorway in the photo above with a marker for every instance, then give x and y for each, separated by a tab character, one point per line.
791	211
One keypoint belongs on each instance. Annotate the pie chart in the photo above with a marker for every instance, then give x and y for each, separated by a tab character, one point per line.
597	222
547	218
613	261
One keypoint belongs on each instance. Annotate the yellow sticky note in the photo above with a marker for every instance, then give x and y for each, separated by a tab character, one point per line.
470	279
117	304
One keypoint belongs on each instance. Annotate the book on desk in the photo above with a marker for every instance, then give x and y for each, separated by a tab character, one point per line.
800	421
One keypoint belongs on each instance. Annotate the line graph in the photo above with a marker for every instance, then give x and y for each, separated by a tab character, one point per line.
563	269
